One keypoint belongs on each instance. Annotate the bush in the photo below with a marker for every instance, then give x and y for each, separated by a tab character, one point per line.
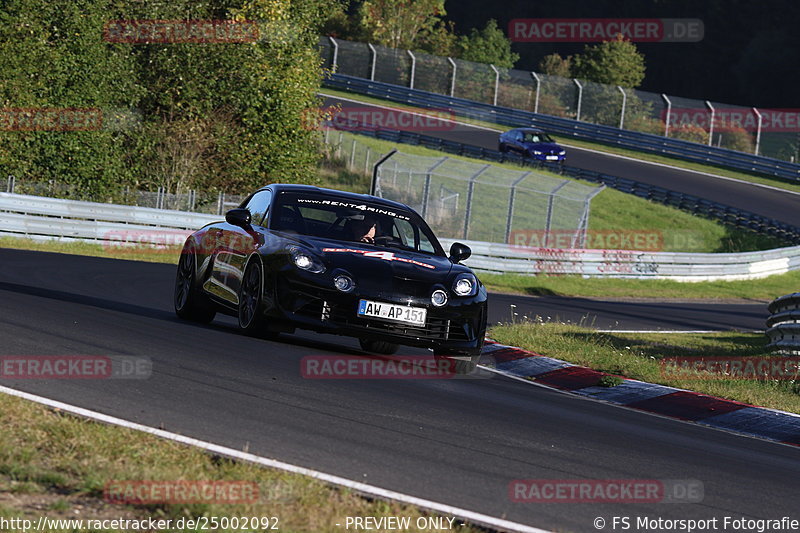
226	116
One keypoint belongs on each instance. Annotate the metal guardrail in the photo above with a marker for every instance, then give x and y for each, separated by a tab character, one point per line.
677	266
38	217
686	202
783	324
643	142
41	217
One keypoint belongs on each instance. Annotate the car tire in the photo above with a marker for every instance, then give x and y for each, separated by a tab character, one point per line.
250	296
190	303
378	347
460	366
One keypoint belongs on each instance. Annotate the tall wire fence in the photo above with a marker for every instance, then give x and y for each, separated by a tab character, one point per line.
772	133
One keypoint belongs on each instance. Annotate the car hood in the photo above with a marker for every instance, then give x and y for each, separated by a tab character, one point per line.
382	270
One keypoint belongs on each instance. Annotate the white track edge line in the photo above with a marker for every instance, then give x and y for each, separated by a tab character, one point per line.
574	147
364	488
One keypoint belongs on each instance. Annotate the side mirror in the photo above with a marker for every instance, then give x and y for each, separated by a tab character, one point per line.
459	252
238	217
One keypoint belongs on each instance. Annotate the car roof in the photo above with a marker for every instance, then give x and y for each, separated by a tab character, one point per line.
529	130
357	197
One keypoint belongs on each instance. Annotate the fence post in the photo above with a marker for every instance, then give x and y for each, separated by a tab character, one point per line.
669	114
413	69
374	186
758	131
624	100
335	60
580	98
366	162
549	217
11	184
511	196
496	83
220	201
538	86
192	199
374	54
470	190
426	190
711	124
453	77
352	155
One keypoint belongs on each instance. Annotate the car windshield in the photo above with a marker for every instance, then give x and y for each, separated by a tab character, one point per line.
531	137
346	220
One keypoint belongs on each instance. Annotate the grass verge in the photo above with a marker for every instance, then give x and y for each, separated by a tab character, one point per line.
765	289
58	465
610	149
640	356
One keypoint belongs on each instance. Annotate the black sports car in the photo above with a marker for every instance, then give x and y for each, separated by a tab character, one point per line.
297	256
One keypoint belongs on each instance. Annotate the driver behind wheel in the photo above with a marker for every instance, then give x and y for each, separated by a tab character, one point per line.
364	230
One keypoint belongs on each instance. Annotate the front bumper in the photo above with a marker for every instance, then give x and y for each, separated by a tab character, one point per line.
458	326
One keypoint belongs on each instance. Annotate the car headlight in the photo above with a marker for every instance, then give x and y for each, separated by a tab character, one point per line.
537	152
465	285
344	283
562	152
305	261
439	298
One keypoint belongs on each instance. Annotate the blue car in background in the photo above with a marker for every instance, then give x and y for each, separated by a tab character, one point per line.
533	143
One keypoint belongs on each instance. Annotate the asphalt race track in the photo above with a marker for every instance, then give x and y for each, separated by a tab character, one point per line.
773	203
459	442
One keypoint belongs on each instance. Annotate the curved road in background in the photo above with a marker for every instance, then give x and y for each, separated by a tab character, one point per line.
779	204
459	442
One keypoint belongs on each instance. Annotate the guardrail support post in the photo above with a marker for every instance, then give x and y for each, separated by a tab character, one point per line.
758	131
538	87
413	68
470	190
374	54
427	189
496	83
511	196
580	98
453	77
711	124
624	100
549	217
335	60
375	186
669	114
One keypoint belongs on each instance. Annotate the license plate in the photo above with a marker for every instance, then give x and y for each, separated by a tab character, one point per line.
396	313
551	157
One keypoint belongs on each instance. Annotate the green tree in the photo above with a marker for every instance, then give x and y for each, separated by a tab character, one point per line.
555	65
400	23
616	62
489	45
